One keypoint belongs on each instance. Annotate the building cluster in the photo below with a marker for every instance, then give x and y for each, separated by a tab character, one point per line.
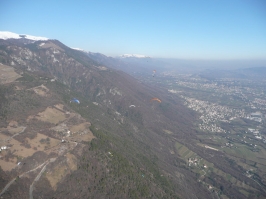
211	113
228	144
261	103
257	116
230	87
193	161
196	85
256	134
249	173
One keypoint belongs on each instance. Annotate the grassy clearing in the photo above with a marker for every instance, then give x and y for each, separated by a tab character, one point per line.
3	138
219	139
19	150
7	166
56	174
41	142
71	161
85	137
178	145
80	127
243	151
184	152
7	74
81	132
51	115
29	146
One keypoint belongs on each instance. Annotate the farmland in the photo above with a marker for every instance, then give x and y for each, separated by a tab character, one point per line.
230	124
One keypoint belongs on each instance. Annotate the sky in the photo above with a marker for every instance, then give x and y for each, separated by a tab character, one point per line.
183	29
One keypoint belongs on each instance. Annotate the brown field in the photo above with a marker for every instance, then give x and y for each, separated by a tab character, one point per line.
7	166
71	161
86	137
81	132
62	169
3	139
80	127
54	176
19	150
35	142
51	115
7	74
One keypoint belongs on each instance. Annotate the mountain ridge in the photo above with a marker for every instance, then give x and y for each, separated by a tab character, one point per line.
103	146
52	75
10	35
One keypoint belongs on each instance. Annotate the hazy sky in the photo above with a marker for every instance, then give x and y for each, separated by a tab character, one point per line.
190	29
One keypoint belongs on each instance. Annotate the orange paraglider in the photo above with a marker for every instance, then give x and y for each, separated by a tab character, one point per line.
156	99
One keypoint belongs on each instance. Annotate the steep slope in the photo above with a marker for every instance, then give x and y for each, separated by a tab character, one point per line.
132	155
48	149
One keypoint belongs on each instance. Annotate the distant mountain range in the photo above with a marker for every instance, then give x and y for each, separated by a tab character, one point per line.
141	64
135	64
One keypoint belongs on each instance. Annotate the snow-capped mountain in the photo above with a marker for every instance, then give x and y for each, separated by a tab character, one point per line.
10	35
79	49
133	55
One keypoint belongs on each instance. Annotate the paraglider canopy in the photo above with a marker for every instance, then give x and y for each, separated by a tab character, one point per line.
156	99
75	100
